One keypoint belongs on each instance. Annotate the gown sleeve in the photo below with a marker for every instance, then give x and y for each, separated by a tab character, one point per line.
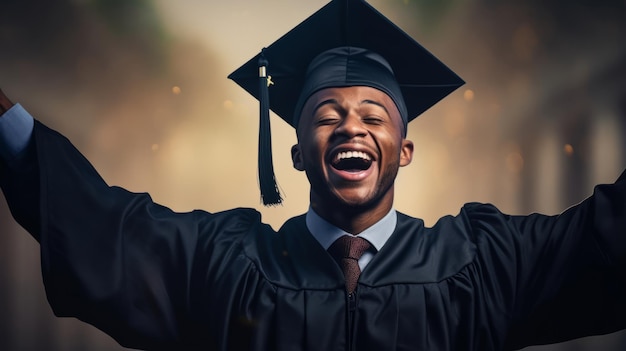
564	276
113	258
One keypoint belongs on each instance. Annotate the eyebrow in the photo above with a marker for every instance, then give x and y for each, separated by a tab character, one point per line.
325	102
377	104
335	102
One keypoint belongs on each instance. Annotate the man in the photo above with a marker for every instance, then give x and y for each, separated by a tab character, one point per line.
155	279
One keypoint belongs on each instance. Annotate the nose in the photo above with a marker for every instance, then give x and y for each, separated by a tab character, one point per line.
351	126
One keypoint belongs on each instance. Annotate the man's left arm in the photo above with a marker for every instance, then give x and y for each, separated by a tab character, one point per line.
571	276
610	220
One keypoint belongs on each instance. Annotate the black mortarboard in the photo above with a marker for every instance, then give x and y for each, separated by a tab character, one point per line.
284	70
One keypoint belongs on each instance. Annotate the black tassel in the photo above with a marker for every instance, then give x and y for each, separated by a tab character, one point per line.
267	181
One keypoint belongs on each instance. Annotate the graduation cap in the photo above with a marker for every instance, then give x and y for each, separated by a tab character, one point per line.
345	43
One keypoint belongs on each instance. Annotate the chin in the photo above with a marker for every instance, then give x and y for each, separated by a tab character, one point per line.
356	201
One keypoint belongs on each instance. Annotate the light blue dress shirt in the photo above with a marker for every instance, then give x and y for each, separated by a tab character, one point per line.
16	128
377	235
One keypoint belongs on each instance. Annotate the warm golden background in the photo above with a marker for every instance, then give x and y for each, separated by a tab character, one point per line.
140	87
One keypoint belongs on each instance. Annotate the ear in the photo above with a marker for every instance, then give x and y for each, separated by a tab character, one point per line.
406	152
296	158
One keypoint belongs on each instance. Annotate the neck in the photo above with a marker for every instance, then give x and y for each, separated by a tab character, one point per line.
353	219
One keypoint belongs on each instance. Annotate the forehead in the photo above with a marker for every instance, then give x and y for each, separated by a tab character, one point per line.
350	95
347	97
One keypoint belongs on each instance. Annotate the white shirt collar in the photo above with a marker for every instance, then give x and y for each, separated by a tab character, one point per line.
326	233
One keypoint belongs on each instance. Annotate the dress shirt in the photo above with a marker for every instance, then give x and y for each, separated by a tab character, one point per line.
377	235
16	128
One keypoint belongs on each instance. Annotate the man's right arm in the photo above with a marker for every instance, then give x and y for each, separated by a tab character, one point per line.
16	127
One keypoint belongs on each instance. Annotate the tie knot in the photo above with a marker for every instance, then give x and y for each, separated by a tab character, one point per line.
348	246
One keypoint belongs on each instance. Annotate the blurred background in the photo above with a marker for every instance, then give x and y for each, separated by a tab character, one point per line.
140	87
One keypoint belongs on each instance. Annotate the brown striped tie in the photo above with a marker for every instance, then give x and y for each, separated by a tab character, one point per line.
346	251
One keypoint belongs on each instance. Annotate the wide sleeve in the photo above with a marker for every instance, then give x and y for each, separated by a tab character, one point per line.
113	258
563	276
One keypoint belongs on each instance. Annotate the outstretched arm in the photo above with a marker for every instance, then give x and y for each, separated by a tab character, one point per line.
571	276
113	258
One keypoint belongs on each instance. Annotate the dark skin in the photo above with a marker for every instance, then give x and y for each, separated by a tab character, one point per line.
5	103
360	123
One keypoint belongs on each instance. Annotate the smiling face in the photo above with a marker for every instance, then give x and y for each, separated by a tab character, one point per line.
351	144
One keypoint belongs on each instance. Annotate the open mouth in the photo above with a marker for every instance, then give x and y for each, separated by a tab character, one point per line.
351	161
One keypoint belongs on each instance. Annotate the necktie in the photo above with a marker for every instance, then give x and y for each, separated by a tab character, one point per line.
346	251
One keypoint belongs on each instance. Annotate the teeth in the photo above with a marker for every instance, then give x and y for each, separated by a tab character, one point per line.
352	154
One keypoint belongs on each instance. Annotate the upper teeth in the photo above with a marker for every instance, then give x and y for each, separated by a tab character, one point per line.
352	154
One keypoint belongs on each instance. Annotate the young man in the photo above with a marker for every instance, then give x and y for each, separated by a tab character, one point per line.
155	279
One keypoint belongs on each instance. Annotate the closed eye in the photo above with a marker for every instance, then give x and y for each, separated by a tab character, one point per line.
327	120
375	120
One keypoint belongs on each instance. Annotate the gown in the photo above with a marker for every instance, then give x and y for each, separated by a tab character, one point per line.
159	280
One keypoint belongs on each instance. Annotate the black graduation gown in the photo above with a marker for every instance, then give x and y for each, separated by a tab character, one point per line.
155	279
